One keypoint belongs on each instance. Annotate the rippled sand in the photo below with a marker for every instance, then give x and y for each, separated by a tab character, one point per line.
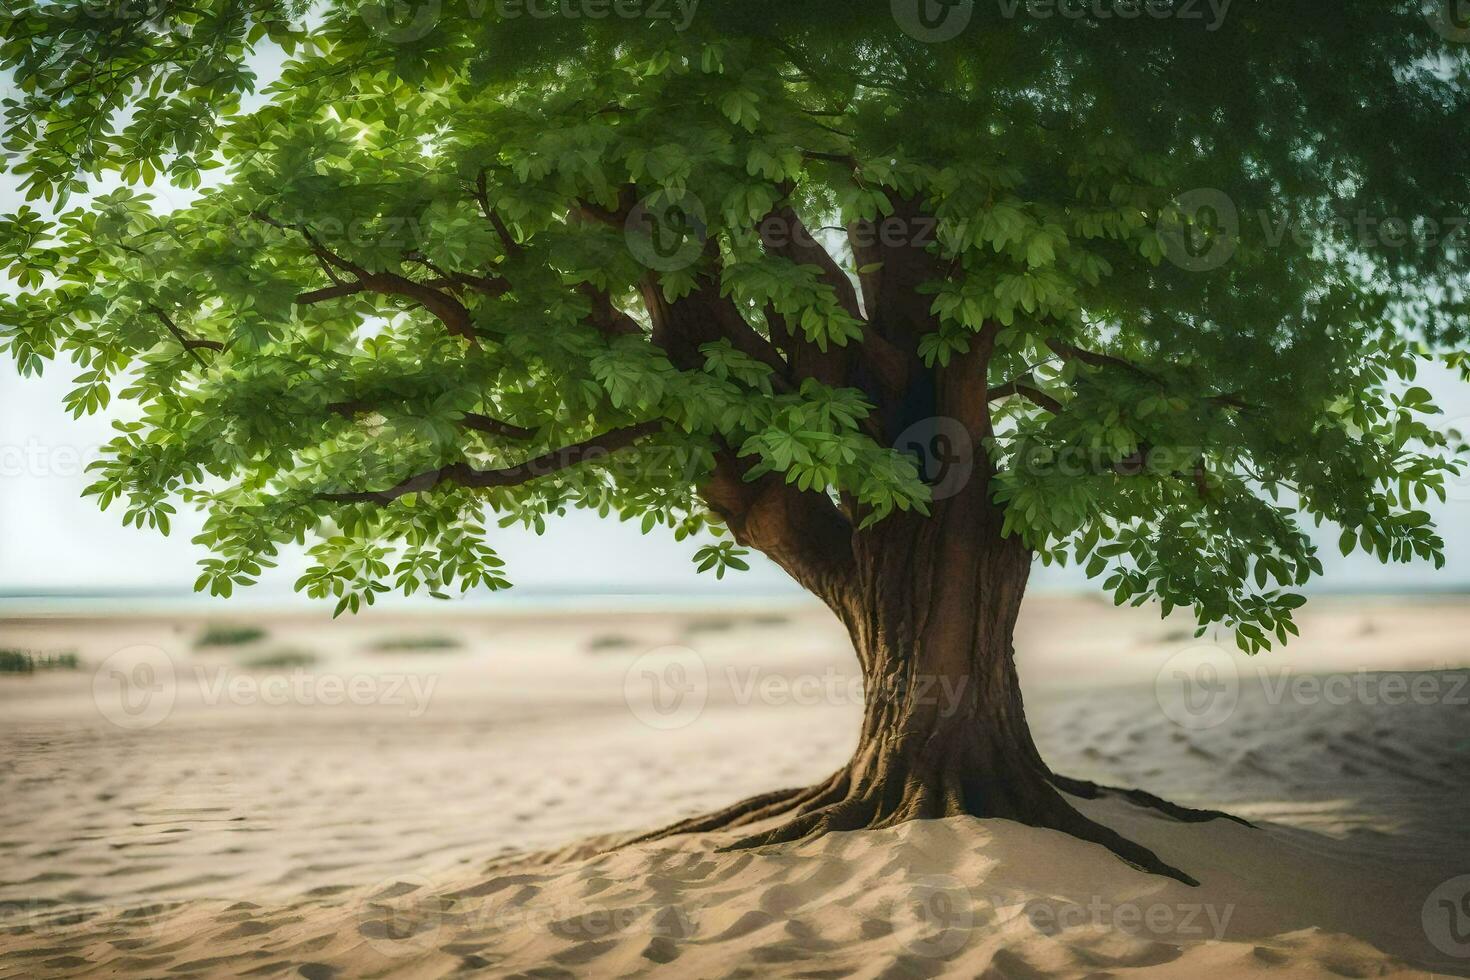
236	834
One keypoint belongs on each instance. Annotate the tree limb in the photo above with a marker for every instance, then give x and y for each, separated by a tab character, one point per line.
495	427
482	195
1025	386
801	531
606	317
190	344
1070	352
464	475
470	420
450	311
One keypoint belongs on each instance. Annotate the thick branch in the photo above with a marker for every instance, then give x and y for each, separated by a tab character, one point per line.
329	293
464	475
1026	388
470	420
1070	352
495	427
450	311
803	532
605	317
482	195
191	344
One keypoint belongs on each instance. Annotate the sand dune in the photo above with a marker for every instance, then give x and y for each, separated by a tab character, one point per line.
954	897
239	837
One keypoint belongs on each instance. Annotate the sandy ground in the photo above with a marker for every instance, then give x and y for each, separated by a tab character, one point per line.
177	810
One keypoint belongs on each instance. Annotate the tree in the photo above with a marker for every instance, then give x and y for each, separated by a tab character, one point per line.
905	299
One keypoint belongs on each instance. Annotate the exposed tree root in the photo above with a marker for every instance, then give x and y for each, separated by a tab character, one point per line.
839	804
754	809
1092	791
891	802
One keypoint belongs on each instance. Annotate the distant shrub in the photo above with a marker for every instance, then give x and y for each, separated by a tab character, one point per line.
714	624
16	662
230	636
402	643
20	662
280	660
609	641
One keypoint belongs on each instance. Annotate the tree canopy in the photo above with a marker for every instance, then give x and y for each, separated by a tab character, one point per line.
459	264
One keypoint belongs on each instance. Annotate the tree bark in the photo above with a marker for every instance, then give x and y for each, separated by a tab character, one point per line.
930	601
931	608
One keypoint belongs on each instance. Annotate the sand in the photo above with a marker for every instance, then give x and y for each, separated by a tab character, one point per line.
404	835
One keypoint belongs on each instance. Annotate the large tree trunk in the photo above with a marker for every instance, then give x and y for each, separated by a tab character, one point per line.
931	611
929	600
